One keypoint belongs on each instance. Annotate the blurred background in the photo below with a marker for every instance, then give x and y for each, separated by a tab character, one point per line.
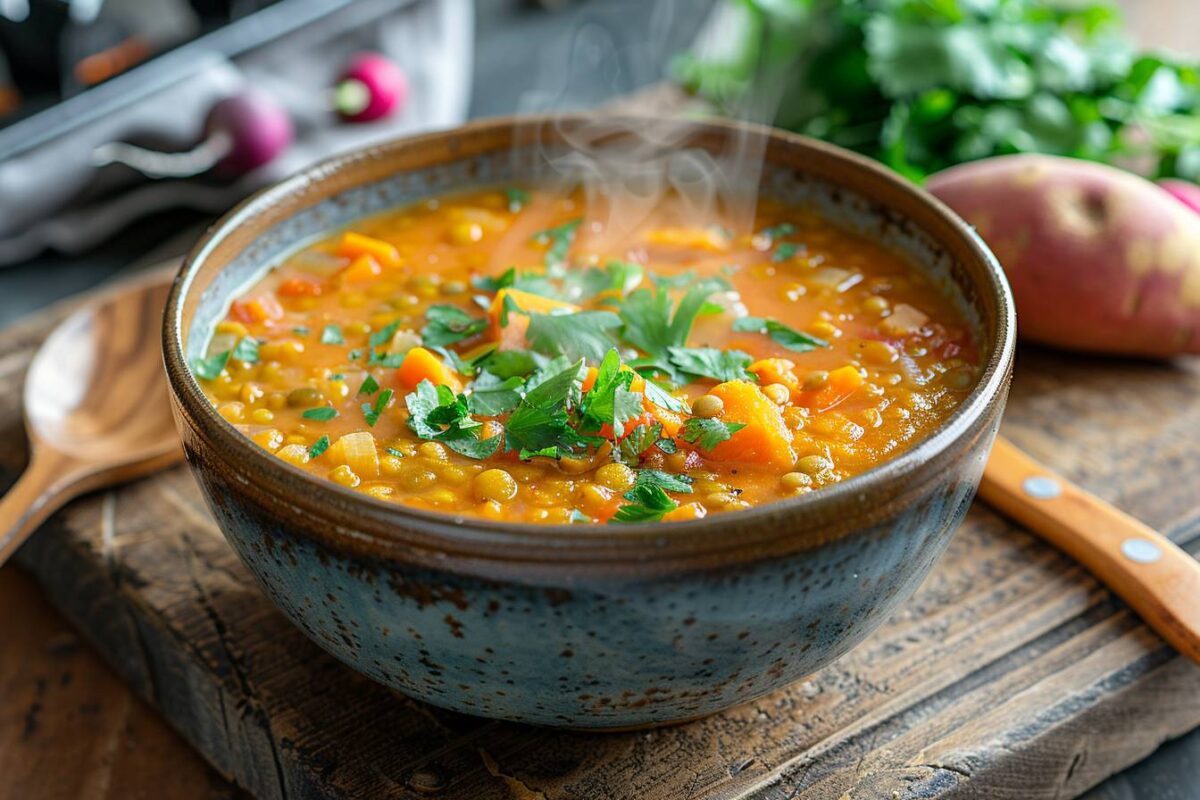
126	126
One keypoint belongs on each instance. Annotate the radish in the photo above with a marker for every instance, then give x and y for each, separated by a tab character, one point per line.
370	87
241	133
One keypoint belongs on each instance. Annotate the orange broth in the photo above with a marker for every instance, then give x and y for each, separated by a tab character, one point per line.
320	362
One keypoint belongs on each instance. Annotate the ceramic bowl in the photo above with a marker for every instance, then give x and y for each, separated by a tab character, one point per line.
582	626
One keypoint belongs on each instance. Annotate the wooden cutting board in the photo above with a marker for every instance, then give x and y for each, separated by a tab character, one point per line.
1010	674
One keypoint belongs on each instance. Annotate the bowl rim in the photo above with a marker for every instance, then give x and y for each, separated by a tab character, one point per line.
395	524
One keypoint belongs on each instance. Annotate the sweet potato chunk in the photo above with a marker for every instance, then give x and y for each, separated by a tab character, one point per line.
842	382
420	364
765	439
512	335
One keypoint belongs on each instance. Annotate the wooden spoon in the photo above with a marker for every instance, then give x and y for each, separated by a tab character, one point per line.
1160	581
96	406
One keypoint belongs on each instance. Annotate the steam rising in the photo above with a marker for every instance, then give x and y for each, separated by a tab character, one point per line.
635	165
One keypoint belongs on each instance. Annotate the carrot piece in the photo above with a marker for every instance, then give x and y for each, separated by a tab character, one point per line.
685	512
362	269
670	421
261	308
708	239
776	370
766	439
300	286
842	382
353	245
420	364
512	335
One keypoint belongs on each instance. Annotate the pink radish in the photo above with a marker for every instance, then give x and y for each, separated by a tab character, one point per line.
241	133
370	87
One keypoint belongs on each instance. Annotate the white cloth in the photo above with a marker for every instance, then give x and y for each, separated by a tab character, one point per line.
50	197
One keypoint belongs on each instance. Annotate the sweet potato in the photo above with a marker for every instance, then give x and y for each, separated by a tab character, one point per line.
776	370
1099	259
420	364
512	335
841	383
765	439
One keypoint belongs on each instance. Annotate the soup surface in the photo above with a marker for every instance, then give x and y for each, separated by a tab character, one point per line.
515	355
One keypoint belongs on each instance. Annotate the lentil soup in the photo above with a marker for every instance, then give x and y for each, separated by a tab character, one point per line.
505	354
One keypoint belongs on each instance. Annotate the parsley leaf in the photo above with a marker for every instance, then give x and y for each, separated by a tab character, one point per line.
318	447
627	406
210	368
648	503
649	322
491	395
583	334
450	324
517	198
371	413
321	413
432	407
662	398
709	362
708	433
777	232
332	334
619	277
384	334
785	251
790	338
369	386
246	350
599	405
664	480
560	238
539	421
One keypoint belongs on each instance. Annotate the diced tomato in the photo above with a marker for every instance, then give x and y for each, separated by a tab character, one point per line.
300	286
260	308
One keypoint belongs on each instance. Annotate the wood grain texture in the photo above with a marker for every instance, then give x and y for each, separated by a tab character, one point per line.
1011	673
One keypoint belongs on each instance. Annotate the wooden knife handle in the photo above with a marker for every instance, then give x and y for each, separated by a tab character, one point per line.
1155	577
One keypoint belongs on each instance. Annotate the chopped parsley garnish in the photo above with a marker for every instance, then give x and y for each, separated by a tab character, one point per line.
389	360
790	338
664	480
371	413
517	198
246	350
653	323
332	334
578	516
708	433
391	451
369	386
662	398
785	251
355	355
617	277
559	238
647	503
301	330
492	395
640	440
450	324
709	362
318	447
321	414
777	232
383	335
583	334
540	424
437	414
210	368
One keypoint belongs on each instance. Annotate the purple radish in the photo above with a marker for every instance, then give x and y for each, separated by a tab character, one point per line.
370	87
241	133
1183	191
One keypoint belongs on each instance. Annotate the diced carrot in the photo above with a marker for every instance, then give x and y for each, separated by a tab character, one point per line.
512	335
776	370
842	382
420	364
261	308
362	269
709	239
300	286
353	245
589	380
765	439
670	421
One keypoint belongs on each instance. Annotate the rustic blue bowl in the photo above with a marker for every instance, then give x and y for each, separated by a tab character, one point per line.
581	626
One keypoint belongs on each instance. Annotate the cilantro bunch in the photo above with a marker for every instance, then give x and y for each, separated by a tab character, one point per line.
923	85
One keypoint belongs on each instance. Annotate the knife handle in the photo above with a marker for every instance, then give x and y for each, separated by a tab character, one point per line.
1147	570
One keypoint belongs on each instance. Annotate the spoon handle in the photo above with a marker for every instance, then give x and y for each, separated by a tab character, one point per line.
1147	570
37	494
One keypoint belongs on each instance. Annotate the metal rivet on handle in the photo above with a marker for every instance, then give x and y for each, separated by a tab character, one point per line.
1041	487
1143	551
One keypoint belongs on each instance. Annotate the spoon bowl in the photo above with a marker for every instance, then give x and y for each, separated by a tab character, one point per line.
96	406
